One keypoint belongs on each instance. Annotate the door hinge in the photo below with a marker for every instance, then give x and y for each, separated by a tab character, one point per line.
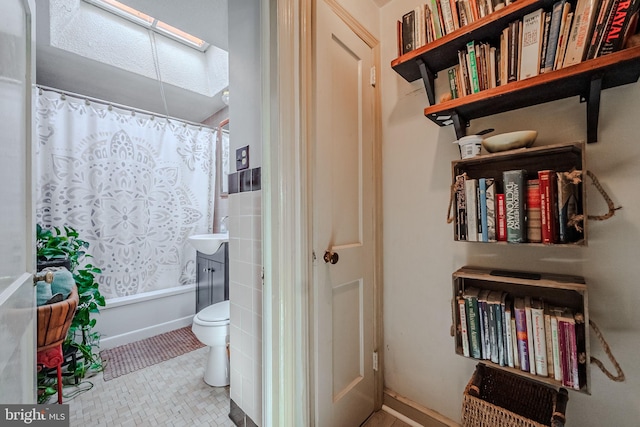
372	76
375	360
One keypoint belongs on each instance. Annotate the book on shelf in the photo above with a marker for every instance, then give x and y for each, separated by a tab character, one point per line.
453	82
568	207
548	206
455	14
583	22
501	218
433	6
565	23
419	28
471	193
508	339
407	31
539	337
490	194
605	14
581	348
554	34
532	29
514	194
473	67
530	338
534	222
447	16
614	36
545	40
474	331
568	349
493	306
514	341
493	76
482	202
521	333
483	309
461	208
513	46
549	341
465	86
555	343
464	335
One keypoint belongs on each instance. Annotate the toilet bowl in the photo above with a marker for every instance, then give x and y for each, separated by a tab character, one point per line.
211	327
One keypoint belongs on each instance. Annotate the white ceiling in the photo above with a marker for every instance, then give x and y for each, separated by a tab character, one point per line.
61	69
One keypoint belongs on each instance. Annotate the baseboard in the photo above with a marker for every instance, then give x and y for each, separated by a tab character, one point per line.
414	411
140	334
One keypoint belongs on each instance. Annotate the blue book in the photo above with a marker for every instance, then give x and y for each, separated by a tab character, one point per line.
554	34
482	200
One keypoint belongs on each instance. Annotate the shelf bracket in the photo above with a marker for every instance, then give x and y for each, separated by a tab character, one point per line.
459	124
428	78
593	108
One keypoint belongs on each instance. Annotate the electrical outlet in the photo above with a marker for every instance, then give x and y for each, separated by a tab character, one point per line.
242	158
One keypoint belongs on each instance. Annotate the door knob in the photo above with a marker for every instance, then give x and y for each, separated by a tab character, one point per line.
331	257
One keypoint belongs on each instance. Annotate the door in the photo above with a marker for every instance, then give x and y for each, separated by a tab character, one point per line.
343	216
17	260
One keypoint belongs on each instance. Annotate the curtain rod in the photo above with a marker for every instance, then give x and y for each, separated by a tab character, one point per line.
123	107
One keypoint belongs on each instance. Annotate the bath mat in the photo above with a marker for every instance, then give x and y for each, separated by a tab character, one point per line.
130	357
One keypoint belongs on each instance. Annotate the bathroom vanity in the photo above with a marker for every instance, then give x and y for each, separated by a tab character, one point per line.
212	273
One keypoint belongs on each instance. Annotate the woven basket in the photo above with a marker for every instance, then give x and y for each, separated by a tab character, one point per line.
54	321
496	398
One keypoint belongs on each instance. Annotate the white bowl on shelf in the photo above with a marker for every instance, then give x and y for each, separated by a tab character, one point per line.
510	141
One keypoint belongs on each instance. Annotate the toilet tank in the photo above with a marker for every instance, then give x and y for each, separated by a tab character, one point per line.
212	277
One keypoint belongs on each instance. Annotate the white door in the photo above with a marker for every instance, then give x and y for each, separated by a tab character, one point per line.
17	260
343	224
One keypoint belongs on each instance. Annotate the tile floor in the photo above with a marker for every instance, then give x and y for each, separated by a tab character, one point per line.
384	419
171	393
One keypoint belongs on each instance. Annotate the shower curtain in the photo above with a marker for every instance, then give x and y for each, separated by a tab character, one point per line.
133	185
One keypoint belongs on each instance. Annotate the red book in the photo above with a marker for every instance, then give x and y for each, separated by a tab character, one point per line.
501	218
548	207
533	211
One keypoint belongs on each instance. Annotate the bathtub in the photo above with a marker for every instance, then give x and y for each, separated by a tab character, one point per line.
127	319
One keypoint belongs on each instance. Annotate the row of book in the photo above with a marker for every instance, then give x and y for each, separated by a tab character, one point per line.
517	209
524	333
437	18
544	41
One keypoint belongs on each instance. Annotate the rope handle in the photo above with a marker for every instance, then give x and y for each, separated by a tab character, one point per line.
607	349
575	220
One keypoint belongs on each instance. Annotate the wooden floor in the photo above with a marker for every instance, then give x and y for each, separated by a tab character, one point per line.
384	419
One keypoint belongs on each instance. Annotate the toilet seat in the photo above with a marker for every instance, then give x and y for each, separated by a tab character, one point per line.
213	315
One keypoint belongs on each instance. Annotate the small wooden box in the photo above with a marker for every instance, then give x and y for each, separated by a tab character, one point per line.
557	157
554	289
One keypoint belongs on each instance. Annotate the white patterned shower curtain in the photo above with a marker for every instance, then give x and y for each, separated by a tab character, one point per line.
133	185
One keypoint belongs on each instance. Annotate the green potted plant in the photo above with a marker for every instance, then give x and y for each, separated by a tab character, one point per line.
66	247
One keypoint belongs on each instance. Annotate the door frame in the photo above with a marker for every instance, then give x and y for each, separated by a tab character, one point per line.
287	129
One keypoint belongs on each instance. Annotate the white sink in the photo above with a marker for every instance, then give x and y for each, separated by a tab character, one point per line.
208	243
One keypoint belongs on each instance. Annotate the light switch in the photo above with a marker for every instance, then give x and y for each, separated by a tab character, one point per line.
242	158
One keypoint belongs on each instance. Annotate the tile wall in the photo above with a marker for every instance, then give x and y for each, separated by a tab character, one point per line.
245	295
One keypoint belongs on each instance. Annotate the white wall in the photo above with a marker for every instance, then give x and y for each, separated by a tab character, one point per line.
420	254
245	210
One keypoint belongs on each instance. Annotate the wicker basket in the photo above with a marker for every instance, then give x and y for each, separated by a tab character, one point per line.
496	398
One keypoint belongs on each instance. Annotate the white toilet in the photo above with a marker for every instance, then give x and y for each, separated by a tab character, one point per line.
211	327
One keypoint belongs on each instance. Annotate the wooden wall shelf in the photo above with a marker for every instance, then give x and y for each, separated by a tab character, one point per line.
555	289
585	79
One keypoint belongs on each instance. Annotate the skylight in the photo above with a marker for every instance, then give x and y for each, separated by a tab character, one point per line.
150	22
